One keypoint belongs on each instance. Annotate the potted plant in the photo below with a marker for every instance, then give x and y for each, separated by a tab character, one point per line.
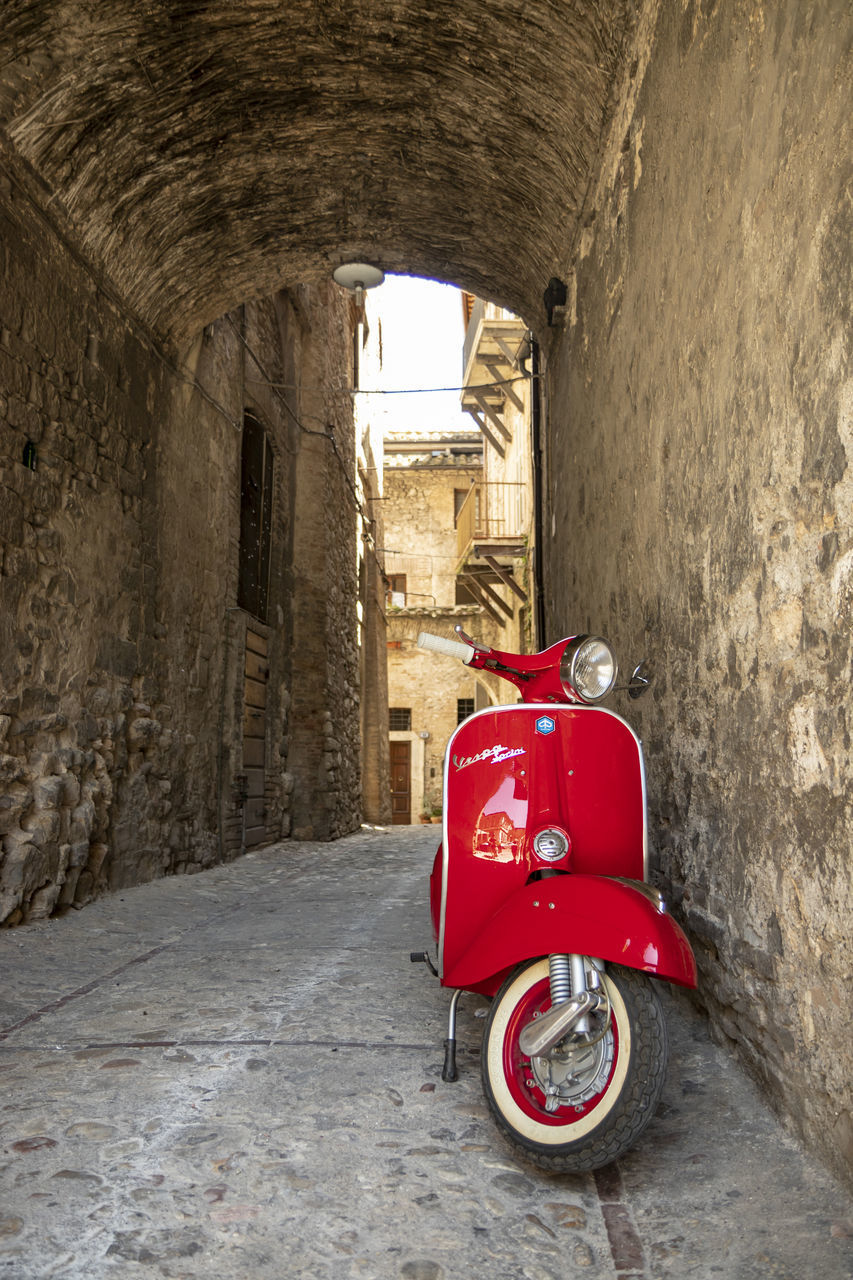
436	813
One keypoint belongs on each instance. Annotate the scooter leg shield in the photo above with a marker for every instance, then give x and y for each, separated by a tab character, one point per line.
435	892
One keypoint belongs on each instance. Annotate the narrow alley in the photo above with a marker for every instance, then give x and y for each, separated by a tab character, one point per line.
216	558
237	1074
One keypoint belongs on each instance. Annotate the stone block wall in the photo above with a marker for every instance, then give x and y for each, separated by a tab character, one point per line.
420	530
324	746
121	645
78	397
373	634
700	498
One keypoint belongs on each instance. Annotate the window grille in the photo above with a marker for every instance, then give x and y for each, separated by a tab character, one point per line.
464	709
400	718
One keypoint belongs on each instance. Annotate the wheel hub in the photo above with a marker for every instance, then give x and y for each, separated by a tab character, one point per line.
573	1073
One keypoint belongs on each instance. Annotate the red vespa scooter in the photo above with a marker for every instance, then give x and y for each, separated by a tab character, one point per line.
539	899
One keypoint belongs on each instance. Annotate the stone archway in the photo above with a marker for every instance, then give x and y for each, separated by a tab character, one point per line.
203	153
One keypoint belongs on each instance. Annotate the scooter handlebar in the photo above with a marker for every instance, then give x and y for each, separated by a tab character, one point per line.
452	648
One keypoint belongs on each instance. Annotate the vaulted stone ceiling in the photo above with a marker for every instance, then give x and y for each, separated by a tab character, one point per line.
213	150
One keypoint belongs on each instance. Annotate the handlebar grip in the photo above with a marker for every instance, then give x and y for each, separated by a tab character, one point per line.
452	648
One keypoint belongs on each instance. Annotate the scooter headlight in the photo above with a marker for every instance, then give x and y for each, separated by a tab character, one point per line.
588	668
551	844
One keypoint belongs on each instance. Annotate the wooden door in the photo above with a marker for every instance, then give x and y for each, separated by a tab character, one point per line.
401	783
256	675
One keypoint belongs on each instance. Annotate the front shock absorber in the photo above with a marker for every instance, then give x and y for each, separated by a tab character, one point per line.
560	978
567	975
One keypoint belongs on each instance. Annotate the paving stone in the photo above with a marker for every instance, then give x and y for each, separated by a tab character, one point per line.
279	1116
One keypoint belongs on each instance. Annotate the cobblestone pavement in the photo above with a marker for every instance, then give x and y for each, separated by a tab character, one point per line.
237	1074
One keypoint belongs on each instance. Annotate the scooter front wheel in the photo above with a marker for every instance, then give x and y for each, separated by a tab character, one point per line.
582	1105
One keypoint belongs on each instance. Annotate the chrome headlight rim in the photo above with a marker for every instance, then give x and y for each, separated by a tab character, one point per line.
572	677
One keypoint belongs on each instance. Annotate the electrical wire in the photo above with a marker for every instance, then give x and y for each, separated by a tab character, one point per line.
403	391
424	391
325	435
151	341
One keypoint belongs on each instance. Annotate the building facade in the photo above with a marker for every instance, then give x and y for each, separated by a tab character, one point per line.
458	533
496	545
426	482
164	704
372	583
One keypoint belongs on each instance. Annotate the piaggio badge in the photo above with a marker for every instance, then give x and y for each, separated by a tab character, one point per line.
546	724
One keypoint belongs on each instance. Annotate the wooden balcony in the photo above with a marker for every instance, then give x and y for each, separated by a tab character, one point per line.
487	527
494	350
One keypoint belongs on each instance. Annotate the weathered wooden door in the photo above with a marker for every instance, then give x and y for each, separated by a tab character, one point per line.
254	736
401	783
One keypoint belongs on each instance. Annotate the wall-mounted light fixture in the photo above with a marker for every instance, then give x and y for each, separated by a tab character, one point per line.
358	276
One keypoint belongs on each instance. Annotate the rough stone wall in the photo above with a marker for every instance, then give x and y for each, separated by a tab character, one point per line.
419	529
699	444
77	603
121	647
373	636
324	746
375	790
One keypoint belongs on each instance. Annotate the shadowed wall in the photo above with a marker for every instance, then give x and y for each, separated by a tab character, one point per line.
700	506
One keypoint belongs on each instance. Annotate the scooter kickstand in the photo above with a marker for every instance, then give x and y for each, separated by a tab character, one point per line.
448	1071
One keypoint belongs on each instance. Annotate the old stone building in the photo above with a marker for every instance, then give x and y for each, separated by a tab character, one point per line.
372	630
674	178
458	515
498	544
178	638
423	477
428	479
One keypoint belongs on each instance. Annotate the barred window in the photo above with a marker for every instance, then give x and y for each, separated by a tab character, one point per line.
464	708
400	718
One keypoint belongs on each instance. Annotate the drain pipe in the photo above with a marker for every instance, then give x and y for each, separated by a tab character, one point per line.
538	492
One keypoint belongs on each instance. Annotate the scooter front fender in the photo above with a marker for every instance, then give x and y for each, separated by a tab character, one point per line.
617	920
